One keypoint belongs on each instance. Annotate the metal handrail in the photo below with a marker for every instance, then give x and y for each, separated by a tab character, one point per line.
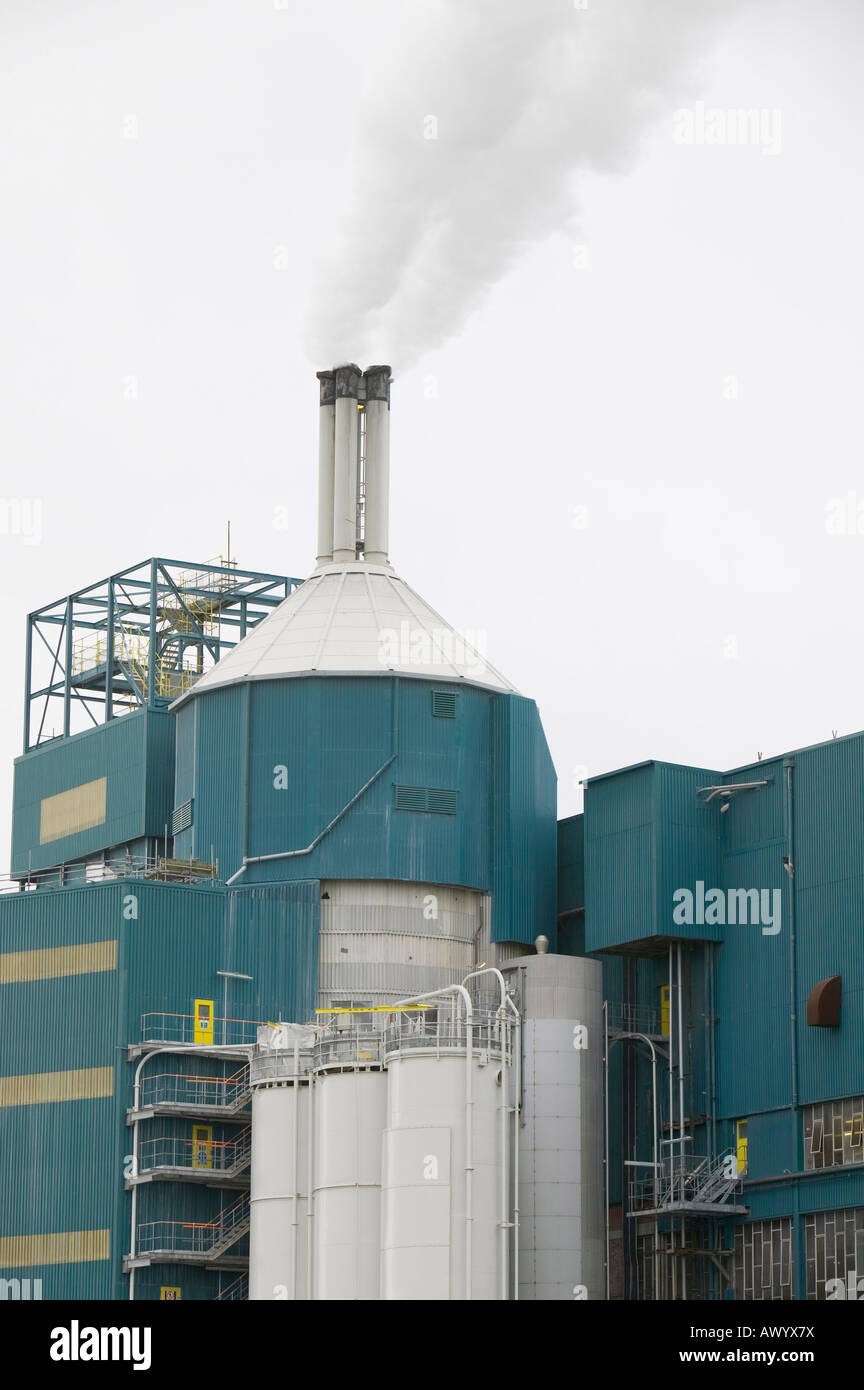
81	873
196	1237
180	1028
181	1088
222	1156
237	1289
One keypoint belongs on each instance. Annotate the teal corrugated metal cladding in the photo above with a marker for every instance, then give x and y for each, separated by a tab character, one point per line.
134	752
646	836
171	940
311	764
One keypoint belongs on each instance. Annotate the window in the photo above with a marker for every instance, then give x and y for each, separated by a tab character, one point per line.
762	1267
834	1133
833	1249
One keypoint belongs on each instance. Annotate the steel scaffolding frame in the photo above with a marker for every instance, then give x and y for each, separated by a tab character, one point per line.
137	639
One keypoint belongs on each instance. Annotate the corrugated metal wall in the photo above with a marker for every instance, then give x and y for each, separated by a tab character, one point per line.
65	1035
135	752
314	744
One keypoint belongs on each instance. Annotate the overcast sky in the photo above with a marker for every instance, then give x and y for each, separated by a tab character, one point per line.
617	448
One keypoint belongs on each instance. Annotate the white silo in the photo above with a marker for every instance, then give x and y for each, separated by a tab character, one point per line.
561	1190
279	1250
350	1100
446	1200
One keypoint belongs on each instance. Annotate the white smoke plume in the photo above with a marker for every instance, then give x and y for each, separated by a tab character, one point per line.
469	151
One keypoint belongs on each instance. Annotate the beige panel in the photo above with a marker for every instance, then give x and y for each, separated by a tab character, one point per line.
56	1248
16	967
40	1088
68	813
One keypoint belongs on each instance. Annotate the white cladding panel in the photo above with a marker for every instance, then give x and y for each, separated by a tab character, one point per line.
426	1181
350	1109
278	1233
381	940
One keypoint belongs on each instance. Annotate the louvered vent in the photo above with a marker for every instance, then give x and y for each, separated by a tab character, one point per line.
444	704
181	818
438	800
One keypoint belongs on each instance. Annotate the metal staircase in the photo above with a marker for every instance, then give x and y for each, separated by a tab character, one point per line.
692	1184
194	1242
213	1163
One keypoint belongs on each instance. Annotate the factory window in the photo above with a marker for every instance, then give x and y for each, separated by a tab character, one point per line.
181	818
439	801
762	1263
444	704
834	1250
834	1133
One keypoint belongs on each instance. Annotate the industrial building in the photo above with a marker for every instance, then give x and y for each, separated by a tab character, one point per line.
305	994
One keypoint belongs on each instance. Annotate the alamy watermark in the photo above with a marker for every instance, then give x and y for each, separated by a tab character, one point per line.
720	907
22	517
420	646
712	125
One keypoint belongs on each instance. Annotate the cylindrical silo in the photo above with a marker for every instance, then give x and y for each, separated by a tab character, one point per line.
383	941
561	1191
350	1103
445	1198
279	1266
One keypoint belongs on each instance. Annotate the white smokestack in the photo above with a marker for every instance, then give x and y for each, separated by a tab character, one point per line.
346	473
326	466
377	474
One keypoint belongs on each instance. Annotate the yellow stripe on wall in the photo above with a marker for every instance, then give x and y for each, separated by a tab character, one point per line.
58	1248
40	1088
68	813
16	967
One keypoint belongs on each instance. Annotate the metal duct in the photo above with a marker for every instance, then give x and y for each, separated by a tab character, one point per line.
348	380
377	476
326	466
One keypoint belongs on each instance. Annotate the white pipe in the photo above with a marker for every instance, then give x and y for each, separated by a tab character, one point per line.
296	1184
377	478
310	1214
516	1136
346	464
606	1140
326	467
681	1111
136	1091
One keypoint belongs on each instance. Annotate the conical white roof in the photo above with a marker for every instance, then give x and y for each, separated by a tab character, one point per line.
353	619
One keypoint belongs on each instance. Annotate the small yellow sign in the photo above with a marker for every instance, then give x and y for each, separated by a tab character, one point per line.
203	1020
169	1293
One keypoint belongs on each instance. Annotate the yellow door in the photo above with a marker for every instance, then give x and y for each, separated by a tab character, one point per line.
664	1011
741	1146
202	1146
203	1020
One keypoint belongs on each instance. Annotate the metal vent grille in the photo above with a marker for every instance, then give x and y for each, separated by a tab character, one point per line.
444	704
438	800
181	818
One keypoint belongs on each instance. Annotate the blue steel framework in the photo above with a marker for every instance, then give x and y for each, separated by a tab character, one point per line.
164	621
